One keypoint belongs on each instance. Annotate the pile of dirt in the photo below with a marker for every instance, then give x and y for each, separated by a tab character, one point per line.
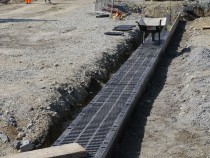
195	93
157	9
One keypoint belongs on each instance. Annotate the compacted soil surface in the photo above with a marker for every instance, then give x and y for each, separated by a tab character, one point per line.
53	57
50	56
172	118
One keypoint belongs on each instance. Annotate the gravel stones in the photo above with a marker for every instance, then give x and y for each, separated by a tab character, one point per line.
198	54
195	110
21	135
16	144
4	137
29	126
26	145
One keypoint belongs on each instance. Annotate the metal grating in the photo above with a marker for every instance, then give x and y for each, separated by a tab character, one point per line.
97	125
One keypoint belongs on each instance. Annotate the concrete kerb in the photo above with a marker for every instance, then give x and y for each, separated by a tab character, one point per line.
144	84
171	32
73	150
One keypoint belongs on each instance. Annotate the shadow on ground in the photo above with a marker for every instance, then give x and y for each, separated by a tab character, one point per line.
22	20
129	144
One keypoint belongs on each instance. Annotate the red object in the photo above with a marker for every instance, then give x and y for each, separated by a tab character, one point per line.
27	1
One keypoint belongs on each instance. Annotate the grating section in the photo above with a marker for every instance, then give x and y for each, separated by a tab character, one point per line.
98	124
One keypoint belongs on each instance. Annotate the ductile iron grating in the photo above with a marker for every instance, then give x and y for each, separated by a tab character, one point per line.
99	122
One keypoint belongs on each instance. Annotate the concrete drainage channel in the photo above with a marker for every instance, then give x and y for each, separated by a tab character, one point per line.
97	126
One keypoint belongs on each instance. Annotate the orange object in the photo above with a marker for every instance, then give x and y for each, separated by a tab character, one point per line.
27	1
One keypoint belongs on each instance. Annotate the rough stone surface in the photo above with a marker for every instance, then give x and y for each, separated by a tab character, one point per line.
29	126
16	144
26	145
21	135
4	138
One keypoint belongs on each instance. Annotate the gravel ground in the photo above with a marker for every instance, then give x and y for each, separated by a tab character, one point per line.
172	118
50	54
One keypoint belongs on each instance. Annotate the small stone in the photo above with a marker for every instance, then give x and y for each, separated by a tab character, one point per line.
19	129
29	126
42	67
16	144
12	121
55	82
38	146
56	65
43	87
54	114
4	137
26	146
21	135
31	109
48	108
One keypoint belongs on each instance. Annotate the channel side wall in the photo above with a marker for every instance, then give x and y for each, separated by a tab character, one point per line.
97	126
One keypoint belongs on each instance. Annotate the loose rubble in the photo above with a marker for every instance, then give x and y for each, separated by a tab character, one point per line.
176	121
26	145
16	144
4	137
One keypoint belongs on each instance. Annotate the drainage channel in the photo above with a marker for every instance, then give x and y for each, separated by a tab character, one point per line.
97	126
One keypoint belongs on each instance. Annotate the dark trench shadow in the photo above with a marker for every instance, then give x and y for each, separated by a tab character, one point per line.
130	142
22	20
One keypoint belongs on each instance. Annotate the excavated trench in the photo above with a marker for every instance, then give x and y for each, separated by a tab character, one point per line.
89	91
129	143
109	64
83	97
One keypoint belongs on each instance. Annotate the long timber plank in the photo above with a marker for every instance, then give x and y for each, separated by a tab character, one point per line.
97	126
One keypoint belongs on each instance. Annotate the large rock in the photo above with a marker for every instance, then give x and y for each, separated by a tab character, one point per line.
16	144
4	137
26	146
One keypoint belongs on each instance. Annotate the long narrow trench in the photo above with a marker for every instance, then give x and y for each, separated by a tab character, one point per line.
93	88
130	142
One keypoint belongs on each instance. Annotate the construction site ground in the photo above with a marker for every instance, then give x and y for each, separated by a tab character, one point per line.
171	119
51	53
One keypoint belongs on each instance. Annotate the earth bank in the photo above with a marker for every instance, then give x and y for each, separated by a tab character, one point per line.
52	57
172	117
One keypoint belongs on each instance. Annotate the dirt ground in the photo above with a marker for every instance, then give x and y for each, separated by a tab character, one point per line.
51	53
172	118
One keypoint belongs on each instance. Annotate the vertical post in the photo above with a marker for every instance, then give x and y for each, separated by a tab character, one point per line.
170	13
159	30
112	7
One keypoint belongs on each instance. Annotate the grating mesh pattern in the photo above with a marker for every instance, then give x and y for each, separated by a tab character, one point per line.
97	125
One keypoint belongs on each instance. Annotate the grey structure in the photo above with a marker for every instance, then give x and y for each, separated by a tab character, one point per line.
97	126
